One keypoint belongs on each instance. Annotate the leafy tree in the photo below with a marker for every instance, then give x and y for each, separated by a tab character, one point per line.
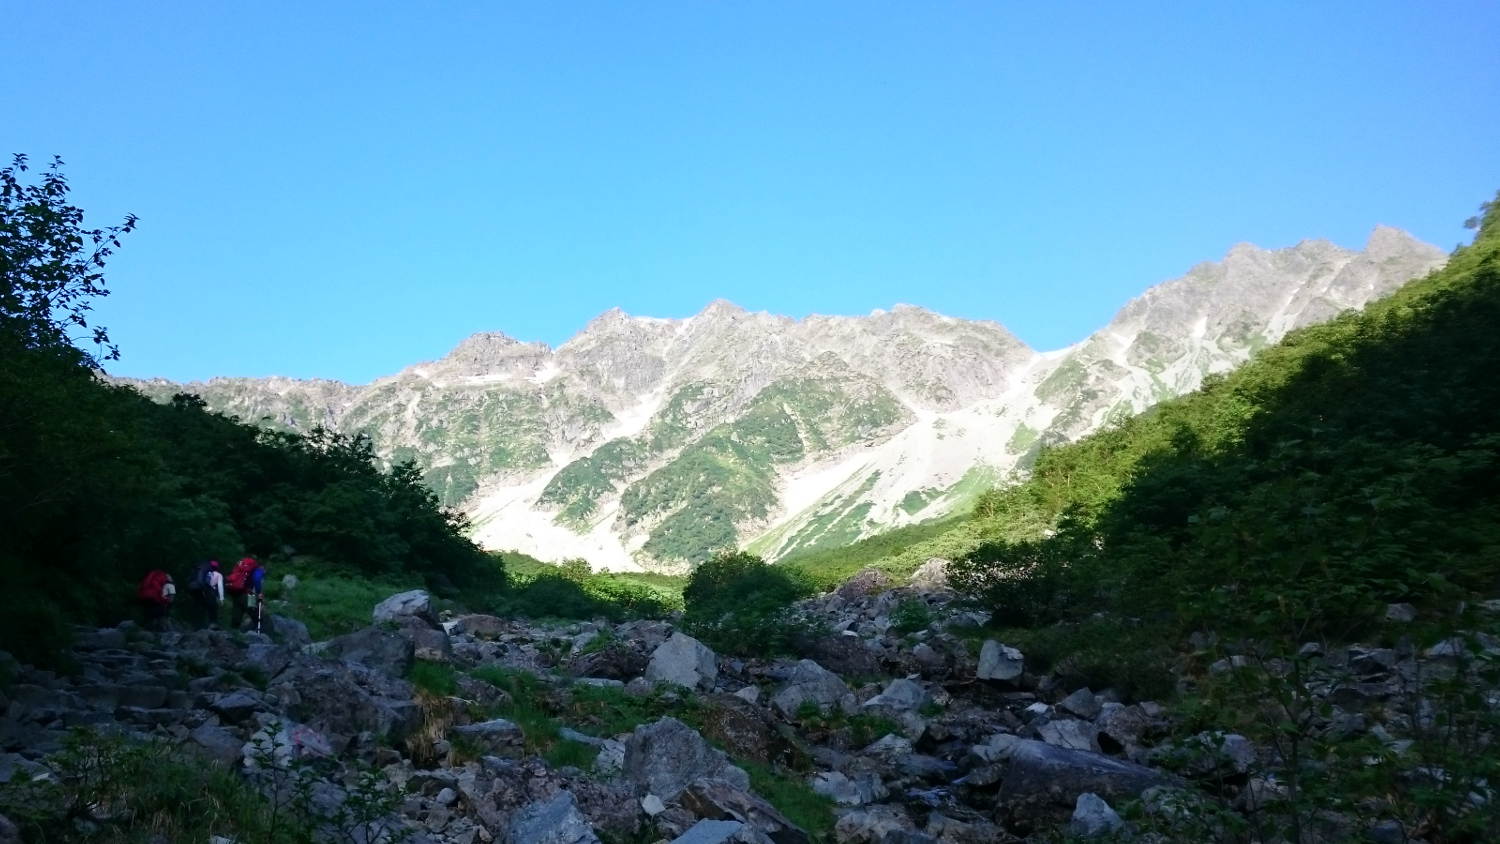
51	267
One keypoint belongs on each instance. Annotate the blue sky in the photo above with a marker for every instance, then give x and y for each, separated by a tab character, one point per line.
339	190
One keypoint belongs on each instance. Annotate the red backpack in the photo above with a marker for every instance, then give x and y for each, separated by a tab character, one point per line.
151	587
239	580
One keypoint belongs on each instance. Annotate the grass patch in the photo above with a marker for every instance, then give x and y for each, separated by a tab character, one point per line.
794	798
330	604
566	752
434	678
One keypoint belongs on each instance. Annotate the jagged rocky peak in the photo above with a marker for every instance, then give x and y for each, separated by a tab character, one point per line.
492	354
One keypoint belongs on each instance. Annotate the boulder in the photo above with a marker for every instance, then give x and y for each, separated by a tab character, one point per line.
846	655
716	799
1083	703
480	626
871	825
683	661
931	575
1093	818
554	821
292	633
277	744
747	731
999	662
847	791
718	832
1078	735
615	661
900	694
382	650
867	582
348	698
9	832
1122	728
431	644
497	737
217	744
237	707
663	757
811	683
416	604
1043	782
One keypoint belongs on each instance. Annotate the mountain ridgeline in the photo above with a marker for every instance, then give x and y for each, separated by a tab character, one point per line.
655	442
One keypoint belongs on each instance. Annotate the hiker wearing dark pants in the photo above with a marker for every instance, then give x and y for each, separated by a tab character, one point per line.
207	590
243	583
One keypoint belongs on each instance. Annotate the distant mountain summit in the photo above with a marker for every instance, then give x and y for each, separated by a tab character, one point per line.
653	442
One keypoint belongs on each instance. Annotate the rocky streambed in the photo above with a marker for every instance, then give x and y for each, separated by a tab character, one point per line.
934	735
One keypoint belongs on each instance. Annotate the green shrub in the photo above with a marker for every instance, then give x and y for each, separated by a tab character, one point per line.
911	615
739	604
434	678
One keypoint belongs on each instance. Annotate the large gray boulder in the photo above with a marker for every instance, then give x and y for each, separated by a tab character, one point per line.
416	604
811	683
716	799
663	757
372	647
709	831
1092	817
901	695
347	698
683	661
1043	782
554	821
497	736
1000	662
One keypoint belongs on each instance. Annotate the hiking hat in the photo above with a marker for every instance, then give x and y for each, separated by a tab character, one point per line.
213	564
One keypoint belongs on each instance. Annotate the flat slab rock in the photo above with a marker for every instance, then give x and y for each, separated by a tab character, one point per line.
1044	782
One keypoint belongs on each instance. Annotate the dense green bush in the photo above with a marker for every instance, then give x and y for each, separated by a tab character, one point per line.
572	591
740	604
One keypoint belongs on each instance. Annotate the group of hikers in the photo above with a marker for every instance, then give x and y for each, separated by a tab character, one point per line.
208	588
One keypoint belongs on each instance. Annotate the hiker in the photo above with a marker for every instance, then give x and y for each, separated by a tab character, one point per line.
244	581
207	590
156	594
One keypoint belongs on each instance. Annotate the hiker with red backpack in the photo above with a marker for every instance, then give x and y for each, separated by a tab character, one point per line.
207	589
245	580
156	594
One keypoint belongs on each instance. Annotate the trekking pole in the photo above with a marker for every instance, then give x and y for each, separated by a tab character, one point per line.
260	610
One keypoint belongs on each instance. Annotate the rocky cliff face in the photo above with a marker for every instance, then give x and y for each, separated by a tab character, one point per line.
653	442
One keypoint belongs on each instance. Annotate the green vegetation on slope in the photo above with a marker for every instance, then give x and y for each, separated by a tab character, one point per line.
1349	466
99	484
728	477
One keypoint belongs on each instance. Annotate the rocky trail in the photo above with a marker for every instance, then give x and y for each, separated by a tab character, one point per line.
937	735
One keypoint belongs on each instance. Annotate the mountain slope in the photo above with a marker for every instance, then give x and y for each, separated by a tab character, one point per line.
652	442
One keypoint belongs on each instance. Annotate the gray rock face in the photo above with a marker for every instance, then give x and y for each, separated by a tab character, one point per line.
1092	817
348	698
555	821
999	662
663	757
713	832
1044	782
291	632
374	648
899	694
497	736
681	379
715	799
813	684
683	661
405	605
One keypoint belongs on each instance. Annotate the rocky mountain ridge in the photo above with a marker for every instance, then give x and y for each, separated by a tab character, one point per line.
652	442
